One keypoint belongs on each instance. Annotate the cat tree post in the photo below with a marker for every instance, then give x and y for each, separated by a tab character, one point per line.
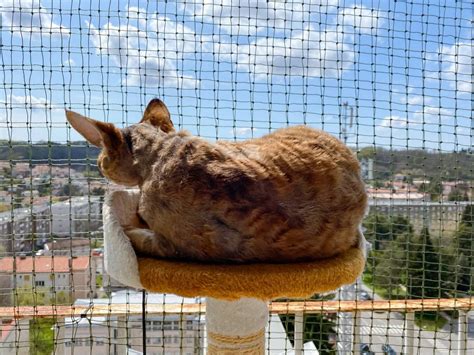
237	295
236	327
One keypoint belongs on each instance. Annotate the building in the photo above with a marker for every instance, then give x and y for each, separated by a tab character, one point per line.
15	336
171	334
60	277
367	169
5	197
76	216
384	196
23	229
26	229
21	170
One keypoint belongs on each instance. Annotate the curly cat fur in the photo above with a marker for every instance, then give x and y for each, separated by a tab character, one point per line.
292	195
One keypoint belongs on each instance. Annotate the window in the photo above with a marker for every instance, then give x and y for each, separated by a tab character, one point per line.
167	325
39	283
155	325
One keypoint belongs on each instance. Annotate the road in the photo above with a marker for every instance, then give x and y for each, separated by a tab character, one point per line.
389	328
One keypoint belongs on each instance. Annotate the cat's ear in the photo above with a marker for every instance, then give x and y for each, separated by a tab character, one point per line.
157	114
100	134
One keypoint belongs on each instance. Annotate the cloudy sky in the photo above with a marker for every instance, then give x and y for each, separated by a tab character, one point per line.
237	69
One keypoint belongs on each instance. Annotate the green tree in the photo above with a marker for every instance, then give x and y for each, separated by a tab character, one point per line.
26	296
463	261
458	194
39	296
400	225
377	229
424	272
318	328
380	229
71	190
378	184
390	269
41	333
44	188
434	189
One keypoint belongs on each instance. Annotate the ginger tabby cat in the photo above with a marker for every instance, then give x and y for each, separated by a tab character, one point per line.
292	195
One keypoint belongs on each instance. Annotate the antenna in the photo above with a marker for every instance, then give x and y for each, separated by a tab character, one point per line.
344	128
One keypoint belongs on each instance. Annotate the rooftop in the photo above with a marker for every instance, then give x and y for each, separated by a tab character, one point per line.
44	264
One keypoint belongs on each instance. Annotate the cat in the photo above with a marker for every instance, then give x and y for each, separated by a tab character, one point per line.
293	195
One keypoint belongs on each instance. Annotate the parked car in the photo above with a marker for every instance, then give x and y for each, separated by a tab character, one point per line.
365	349
388	350
364	296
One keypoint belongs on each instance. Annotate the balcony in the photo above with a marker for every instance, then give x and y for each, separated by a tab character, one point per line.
177	325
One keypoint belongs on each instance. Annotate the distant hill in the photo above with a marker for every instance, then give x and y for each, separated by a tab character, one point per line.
416	162
75	154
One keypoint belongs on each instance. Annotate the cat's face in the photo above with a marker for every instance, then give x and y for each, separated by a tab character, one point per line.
115	161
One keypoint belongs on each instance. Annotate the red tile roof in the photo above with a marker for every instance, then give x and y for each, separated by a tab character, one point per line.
46	264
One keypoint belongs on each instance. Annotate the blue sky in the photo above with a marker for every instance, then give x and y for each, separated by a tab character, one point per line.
233	72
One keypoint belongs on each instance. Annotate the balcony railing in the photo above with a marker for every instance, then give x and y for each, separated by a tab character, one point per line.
411	343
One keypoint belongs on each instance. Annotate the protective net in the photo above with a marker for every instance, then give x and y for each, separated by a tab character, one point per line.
392	79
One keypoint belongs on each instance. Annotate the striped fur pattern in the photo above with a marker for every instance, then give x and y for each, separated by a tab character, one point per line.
293	195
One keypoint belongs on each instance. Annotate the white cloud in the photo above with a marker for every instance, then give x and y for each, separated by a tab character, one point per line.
457	65
69	62
431	114
29	102
28	16
360	19
149	52
248	17
428	115
416	100
394	121
452	65
309	53
243	131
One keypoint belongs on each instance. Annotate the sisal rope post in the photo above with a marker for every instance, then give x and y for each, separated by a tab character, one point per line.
236	327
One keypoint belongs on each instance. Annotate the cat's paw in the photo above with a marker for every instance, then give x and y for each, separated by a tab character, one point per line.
141	238
147	242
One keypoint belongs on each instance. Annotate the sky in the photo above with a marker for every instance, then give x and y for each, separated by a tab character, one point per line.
243	68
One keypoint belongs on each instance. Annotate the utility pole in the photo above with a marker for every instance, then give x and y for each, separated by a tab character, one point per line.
344	124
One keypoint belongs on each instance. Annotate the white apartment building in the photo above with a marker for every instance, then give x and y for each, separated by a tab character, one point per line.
169	334
15	336
22	228
58	276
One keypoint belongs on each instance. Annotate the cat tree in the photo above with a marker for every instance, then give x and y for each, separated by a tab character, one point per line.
237	295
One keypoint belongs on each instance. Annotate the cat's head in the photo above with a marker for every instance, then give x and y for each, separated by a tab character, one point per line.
115	161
